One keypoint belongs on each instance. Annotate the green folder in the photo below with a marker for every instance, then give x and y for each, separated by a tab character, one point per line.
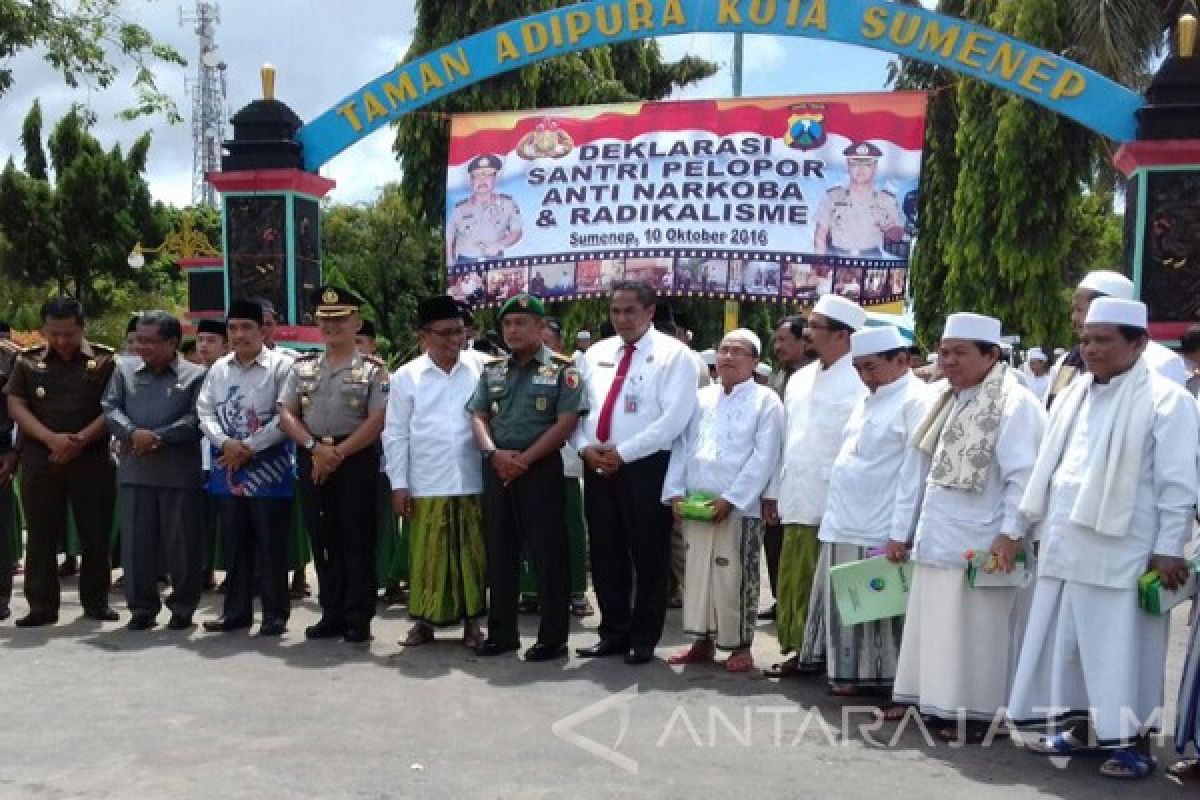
1153	598
871	589
696	506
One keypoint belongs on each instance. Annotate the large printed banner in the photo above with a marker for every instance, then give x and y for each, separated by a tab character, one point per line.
776	199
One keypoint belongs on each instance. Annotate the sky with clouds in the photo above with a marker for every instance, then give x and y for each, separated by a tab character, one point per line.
323	50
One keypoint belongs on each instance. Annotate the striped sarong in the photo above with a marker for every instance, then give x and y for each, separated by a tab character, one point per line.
447	564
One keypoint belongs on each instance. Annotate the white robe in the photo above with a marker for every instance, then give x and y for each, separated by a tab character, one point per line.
1089	650
817	403
960	646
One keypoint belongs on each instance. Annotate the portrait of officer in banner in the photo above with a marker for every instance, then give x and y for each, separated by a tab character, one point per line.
482	226
856	220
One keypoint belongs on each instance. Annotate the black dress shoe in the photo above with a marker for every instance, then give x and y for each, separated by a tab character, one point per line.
180	622
490	648
225	625
325	629
141	622
32	620
102	614
767	614
639	655
604	647
272	627
545	652
5	613
357	635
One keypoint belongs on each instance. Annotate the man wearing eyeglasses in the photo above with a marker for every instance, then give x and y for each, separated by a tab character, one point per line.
436	473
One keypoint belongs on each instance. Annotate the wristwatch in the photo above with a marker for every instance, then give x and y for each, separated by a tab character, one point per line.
311	444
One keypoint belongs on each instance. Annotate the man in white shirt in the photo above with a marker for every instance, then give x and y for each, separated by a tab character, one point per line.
862	494
1038	376
253	474
817	401
965	473
729	451
1106	283
1115	490
436	473
641	387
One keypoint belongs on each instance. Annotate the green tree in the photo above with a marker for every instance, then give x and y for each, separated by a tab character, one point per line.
76	230
79	39
618	73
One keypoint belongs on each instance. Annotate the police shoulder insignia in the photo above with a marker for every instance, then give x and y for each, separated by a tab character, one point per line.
888	193
309	356
376	360
560	358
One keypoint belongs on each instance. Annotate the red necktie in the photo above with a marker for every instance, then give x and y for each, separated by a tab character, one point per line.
604	424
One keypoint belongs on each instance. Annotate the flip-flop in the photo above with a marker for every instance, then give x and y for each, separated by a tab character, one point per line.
1128	764
1185	771
417	636
1062	744
695	654
739	662
783	669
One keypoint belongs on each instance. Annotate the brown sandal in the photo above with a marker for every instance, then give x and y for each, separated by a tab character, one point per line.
1185	771
418	635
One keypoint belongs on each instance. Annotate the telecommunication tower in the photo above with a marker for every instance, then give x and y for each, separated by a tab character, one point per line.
209	111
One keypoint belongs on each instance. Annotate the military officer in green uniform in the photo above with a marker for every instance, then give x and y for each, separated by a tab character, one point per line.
524	408
855	220
484	225
54	397
9	535
332	406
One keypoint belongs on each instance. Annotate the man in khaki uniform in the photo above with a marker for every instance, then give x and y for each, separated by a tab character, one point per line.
54	397
855	220
9	535
483	225
333	406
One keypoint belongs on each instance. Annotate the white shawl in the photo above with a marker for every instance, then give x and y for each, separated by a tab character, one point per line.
1106	497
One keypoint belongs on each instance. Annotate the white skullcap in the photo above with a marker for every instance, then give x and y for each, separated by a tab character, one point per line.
870	341
845	311
1060	351
1111	311
748	336
710	357
584	335
1036	354
974	327
931	358
763	369
1108	283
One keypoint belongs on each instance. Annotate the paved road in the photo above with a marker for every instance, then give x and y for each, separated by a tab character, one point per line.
95	711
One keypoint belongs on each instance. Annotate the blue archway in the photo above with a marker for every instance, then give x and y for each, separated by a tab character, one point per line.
1060	85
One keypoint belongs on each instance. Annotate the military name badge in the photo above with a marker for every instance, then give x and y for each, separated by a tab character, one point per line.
495	408
91	364
40	391
541	403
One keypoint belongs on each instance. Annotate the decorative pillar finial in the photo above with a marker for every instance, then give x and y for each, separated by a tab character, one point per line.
268	81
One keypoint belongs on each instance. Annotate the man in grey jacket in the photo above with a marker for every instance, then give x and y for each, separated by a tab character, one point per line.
150	406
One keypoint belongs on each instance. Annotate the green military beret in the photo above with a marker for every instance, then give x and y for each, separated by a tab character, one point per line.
524	304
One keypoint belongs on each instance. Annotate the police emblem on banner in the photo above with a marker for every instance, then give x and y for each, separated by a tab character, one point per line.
806	127
547	140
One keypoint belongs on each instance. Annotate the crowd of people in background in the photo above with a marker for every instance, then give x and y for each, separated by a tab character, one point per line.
1027	511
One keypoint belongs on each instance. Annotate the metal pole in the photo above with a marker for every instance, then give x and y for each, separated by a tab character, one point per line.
732	307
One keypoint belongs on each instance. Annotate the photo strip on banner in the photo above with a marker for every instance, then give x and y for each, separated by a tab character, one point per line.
774	199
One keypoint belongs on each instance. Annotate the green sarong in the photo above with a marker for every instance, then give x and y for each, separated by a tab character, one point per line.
299	550
797	565
391	544
576	545
18	523
448	575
